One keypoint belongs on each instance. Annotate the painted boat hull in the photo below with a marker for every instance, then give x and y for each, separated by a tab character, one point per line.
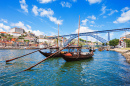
76	58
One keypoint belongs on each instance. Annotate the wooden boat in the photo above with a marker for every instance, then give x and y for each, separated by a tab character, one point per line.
46	54
76	56
52	49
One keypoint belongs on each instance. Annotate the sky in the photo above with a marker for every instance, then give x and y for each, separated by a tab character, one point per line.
43	16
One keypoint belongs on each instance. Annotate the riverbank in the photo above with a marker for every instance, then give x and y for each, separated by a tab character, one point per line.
124	52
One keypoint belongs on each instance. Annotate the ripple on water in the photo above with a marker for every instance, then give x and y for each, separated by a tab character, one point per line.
105	68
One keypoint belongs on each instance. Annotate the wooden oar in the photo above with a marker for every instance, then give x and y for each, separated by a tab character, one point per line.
25	55
46	58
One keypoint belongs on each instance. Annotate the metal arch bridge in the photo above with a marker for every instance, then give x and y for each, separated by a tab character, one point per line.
92	34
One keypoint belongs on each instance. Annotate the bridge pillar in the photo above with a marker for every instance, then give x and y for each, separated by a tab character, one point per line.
108	36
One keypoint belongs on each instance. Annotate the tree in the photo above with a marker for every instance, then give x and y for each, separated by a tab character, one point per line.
114	42
82	40
127	42
103	44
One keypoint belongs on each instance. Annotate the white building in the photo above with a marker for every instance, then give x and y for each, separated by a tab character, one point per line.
15	34
122	42
49	41
41	36
18	30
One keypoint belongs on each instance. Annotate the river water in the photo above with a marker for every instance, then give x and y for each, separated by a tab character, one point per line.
107	68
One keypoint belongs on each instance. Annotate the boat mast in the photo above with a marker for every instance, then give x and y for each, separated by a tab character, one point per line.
58	37
78	30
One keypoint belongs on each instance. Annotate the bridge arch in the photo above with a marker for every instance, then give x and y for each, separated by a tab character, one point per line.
91	35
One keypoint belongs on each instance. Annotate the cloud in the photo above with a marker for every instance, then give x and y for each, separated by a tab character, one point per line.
84	21
20	25
125	33
2	26
45	1
125	16
103	9
93	1
3	20
92	22
37	32
125	9
112	12
84	29
91	25
55	20
46	13
1	30
35	10
66	4
23	5
27	28
53	34
92	17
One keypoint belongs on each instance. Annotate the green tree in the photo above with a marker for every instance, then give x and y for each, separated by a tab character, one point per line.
114	42
103	44
127	42
82	40
26	40
9	38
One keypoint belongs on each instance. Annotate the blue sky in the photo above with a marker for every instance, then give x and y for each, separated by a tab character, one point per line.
43	16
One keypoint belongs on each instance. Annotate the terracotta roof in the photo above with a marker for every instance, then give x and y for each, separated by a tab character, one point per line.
3	32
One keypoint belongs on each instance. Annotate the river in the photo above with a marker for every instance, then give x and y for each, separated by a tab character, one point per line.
105	68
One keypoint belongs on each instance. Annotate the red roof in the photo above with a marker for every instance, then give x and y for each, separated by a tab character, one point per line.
3	32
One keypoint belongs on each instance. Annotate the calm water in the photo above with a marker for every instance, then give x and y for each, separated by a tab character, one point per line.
105	68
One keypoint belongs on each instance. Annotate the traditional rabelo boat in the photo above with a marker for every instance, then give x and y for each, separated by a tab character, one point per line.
75	54
52	50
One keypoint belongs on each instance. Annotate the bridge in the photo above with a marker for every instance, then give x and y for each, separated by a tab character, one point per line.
91	34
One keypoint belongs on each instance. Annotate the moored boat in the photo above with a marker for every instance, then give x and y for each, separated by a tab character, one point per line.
76	56
52	50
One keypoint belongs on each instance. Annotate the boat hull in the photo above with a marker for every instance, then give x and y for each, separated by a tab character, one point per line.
76	58
48	54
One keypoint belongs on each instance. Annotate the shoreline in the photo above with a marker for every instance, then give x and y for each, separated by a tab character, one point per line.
124	52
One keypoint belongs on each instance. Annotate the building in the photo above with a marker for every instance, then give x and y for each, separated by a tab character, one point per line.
31	34
15	34
48	41
3	33
32	40
17	30
41	36
122	42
